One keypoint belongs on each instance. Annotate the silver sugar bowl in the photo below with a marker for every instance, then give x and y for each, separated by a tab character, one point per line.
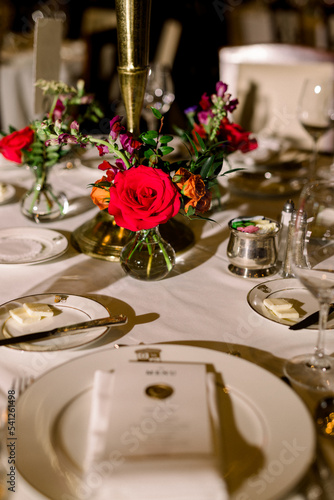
253	254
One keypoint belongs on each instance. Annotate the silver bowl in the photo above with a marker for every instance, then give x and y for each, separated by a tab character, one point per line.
252	255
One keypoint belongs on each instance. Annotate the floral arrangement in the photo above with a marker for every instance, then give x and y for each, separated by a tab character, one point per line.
28	145
210	120
142	188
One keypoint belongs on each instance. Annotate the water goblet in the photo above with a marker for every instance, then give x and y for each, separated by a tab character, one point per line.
316	114
159	92
313	264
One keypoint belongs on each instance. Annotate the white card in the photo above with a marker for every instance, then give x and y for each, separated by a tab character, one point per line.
47	44
160	409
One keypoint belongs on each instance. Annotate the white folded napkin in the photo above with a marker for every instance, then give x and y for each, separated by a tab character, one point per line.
168	476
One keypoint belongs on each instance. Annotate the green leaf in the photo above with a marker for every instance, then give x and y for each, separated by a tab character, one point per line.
148	153
191	211
150	134
156	113
164	139
196	154
206	167
148	141
165	150
200	142
52	155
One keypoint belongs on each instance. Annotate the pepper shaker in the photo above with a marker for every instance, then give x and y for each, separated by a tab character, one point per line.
286	270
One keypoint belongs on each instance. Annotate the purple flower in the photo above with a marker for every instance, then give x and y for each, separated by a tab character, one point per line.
102	149
129	143
191	110
58	110
232	105
67	139
74	125
203	117
115	127
221	89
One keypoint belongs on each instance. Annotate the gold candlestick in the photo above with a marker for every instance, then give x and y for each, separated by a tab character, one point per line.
133	27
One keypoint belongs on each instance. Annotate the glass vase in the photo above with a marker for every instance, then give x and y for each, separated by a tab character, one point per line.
41	203
147	256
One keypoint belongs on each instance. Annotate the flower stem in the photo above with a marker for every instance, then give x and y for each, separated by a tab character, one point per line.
162	248
112	149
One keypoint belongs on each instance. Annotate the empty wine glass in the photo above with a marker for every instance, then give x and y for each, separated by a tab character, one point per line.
159	92
315	113
313	264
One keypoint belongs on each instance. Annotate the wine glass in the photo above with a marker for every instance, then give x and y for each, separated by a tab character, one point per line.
159	92
313	264
315	113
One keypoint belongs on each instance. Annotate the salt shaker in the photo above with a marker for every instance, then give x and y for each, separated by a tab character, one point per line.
283	234
286	270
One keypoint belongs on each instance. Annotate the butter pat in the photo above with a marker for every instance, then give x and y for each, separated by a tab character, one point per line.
276	305
31	312
282	308
287	314
36	309
20	315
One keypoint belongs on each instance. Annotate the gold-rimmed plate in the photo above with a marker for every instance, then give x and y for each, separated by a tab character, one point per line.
290	289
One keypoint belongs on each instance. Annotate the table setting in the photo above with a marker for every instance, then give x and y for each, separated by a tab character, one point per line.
138	363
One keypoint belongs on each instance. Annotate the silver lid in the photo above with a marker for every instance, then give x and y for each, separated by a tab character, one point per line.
289	206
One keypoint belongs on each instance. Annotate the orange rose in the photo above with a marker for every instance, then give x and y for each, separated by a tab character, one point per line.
184	174
194	187
100	195
202	205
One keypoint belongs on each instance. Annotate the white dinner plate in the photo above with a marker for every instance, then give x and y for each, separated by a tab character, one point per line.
8	193
68	309
30	245
268	435
285	288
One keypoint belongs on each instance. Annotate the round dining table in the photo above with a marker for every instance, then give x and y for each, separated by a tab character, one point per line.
201	303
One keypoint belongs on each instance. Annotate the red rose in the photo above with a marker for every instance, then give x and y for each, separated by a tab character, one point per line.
142	198
12	144
237	137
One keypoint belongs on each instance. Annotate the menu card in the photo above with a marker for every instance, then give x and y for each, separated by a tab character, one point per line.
154	433
160	408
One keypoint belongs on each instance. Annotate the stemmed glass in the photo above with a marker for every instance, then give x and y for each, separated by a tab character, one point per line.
313	264
315	113
159	92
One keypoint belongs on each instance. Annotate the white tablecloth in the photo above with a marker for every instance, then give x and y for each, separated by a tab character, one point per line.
200	303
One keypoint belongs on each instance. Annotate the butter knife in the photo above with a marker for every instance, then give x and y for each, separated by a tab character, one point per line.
312	319
64	330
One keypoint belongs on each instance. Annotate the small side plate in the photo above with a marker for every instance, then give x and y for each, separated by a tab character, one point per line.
290	289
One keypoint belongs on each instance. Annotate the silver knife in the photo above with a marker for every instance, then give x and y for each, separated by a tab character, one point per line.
63	330
310	320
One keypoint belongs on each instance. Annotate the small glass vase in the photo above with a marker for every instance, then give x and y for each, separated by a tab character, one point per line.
41	203
147	256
